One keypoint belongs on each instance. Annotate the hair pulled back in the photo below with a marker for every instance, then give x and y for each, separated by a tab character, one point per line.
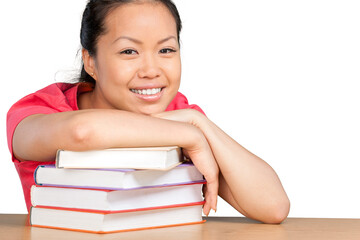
93	24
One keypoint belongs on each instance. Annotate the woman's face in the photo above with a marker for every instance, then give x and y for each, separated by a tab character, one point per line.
137	66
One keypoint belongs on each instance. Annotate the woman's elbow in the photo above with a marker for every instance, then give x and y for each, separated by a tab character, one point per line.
81	133
278	212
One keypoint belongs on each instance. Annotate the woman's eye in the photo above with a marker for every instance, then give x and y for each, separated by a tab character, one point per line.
167	50
128	52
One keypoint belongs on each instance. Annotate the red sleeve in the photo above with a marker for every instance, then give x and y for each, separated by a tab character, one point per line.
181	102
45	101
58	97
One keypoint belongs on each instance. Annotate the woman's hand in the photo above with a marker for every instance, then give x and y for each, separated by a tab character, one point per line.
202	157
200	153
184	115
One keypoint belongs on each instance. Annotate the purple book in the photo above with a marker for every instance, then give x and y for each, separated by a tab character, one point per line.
116	179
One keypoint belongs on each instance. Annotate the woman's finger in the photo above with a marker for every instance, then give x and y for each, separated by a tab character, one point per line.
211	194
204	161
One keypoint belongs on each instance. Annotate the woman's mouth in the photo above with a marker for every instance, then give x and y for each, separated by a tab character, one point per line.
149	94
150	91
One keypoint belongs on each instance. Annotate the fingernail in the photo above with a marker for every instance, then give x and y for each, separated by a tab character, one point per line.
206	214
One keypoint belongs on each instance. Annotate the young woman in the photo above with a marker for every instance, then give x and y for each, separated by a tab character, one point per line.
128	97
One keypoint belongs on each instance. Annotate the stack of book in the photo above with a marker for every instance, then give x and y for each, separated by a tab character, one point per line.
117	190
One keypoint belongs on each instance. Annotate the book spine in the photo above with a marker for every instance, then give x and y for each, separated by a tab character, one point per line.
57	158
30	216
35	175
32	189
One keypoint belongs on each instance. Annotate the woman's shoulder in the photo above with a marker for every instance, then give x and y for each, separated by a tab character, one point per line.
180	101
54	89
56	97
59	89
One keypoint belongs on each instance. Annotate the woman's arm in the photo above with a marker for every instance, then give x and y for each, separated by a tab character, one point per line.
248	183
94	129
38	137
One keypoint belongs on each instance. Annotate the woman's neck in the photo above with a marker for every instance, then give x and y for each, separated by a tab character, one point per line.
84	101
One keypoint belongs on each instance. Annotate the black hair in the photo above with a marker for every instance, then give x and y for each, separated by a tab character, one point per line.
93	25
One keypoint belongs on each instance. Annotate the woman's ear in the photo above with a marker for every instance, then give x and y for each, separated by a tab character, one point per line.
89	63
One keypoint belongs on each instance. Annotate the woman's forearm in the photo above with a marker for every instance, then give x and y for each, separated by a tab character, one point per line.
114	128
96	129
247	182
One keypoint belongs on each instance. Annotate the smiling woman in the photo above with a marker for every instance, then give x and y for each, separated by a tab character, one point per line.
128	97
132	61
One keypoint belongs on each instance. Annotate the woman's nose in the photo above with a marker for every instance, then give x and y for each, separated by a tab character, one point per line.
149	67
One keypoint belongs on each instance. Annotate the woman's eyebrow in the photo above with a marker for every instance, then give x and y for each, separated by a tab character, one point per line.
140	42
166	39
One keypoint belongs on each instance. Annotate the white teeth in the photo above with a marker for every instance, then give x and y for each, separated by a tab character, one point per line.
147	91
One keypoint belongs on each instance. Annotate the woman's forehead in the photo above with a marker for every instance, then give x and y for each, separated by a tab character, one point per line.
132	18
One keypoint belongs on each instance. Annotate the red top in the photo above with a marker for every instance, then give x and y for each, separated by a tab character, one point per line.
57	97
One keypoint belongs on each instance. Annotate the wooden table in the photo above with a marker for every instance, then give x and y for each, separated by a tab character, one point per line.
14	226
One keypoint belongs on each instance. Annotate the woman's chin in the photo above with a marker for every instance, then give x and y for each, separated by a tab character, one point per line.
148	110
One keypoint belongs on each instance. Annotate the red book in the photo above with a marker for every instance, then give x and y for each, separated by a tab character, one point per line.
97	222
115	200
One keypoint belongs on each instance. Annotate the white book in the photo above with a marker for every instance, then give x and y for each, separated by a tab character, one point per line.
115	179
115	201
115	222
161	158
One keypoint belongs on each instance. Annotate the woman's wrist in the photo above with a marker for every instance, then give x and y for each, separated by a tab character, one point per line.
192	137
191	125
199	120
203	123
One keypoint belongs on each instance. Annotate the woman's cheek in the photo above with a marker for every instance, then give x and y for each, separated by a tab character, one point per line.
173	70
123	73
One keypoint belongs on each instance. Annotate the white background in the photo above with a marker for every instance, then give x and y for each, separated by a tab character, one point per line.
280	77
